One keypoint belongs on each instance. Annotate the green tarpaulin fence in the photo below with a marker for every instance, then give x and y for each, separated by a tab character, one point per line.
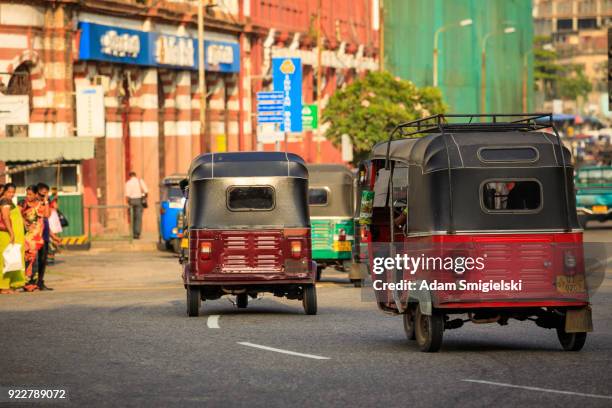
409	41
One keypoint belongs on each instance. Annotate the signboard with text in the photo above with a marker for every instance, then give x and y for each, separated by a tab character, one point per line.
101	42
287	78
90	111
310	117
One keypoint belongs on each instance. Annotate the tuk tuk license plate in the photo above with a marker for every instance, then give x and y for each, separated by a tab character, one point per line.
185	243
600	209
342	246
570	284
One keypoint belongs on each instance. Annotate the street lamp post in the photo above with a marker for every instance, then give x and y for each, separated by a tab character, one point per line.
525	77
204	142
463	23
483	66
204	146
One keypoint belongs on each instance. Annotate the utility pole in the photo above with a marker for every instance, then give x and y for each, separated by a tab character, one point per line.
204	145
381	36
319	75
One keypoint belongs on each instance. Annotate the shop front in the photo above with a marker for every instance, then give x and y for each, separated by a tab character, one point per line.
57	162
149	77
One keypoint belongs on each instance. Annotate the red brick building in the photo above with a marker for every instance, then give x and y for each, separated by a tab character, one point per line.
139	57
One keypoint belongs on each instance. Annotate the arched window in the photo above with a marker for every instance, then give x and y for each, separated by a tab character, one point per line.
20	84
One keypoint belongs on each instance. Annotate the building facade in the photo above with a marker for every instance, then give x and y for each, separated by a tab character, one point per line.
115	85
578	33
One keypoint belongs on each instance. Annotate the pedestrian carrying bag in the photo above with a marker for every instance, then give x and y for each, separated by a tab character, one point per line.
55	223
13	260
62	218
143	199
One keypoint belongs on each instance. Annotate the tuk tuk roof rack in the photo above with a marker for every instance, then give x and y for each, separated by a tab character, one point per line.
487	122
493	122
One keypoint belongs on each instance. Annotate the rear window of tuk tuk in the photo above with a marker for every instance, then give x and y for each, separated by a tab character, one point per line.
318	196
514	154
250	198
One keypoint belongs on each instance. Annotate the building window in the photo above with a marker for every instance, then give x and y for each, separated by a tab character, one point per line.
67	176
587	8
587	23
564	24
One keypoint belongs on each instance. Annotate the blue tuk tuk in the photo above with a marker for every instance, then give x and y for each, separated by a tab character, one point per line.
170	212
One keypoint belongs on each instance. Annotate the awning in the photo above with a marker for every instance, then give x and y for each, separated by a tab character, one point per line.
20	149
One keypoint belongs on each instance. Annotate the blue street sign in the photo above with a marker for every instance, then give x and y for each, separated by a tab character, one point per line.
273	95
270	119
277	107
287	78
270	107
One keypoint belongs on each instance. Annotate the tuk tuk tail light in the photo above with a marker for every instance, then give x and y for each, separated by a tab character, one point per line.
569	261
296	249
205	250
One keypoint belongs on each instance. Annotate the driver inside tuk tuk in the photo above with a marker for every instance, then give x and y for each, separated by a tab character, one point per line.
401	219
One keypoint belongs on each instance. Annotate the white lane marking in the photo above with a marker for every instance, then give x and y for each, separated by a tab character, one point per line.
213	322
292	353
523	387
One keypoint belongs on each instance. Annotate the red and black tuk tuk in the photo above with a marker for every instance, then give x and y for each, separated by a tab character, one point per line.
248	229
493	189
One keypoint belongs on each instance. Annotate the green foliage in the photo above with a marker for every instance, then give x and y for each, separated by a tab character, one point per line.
369	108
565	81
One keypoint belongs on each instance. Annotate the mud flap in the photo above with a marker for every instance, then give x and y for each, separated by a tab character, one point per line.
423	297
579	320
355	271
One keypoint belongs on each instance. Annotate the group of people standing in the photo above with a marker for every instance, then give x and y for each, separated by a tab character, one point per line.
28	223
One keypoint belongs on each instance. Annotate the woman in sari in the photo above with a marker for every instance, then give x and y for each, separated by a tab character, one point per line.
32	212
12	232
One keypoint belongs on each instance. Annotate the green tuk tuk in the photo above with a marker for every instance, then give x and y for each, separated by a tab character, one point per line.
331	201
593	194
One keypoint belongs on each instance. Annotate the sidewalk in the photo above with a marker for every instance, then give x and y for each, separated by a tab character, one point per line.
145	243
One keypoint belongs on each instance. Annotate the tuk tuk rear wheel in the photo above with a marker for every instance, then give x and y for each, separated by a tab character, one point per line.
408	318
357	282
194	301
429	330
571	341
242	300
309	300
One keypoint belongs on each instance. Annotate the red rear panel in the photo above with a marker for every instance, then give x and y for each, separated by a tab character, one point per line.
250	255
537	261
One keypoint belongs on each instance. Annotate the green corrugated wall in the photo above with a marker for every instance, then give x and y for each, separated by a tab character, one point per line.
409	35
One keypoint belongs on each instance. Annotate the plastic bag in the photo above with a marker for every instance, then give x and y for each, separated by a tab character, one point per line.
55	224
13	260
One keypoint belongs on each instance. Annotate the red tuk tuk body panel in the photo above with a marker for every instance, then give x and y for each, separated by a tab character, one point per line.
250	256
536	260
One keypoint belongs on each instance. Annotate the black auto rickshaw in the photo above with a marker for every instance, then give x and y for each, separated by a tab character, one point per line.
481	211
331	200
248	229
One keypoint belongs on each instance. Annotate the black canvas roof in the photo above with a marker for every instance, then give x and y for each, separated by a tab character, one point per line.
247	164
326	174
430	151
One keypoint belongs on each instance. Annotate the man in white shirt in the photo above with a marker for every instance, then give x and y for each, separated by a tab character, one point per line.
136	194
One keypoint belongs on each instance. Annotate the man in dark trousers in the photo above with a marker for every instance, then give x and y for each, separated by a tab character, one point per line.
43	253
136	193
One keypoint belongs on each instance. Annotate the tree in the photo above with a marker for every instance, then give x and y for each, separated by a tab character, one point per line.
564	81
369	108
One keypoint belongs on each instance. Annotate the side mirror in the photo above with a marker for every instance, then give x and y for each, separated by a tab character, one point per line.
183	184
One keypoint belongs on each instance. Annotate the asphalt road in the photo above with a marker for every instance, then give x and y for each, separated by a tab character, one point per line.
114	333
